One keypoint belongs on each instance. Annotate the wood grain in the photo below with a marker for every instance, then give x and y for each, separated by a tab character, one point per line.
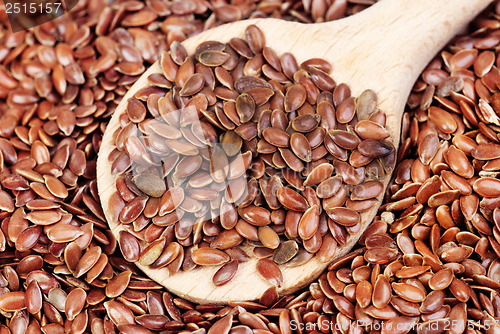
383	48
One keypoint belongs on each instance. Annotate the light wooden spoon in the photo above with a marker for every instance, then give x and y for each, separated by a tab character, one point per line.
383	48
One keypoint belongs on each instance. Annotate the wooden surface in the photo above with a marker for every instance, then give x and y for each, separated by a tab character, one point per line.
383	48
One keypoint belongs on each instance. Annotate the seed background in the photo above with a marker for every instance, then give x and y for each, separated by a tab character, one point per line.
59	84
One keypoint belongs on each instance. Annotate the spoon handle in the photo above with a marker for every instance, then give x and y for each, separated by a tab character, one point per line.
389	44
412	31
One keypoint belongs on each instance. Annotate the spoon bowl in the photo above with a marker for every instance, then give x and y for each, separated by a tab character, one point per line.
383	48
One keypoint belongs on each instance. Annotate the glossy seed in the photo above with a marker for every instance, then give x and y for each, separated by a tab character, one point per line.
270	271
375	148
301	146
309	223
213	58
225	273
257	216
408	292
12	301
209	257
305	123
344	216
441	279
295	97
276	137
75	302
268	237
381	292
291	199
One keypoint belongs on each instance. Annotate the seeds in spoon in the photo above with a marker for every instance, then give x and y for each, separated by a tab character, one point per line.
228	156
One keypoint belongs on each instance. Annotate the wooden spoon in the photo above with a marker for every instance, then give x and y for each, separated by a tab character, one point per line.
383	48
